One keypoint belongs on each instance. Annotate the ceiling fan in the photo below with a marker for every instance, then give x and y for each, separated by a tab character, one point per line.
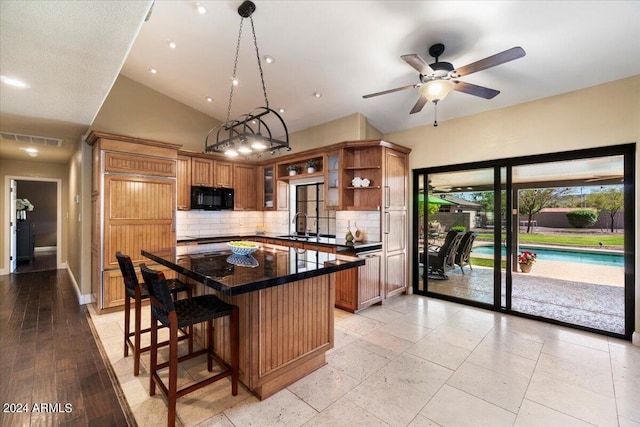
440	78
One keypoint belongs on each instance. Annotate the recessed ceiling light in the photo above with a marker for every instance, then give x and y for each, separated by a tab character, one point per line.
153	70
235	81
11	81
282	110
172	45
269	59
32	152
317	94
209	99
201	9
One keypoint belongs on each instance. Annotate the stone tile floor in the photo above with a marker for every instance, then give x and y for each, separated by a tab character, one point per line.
417	361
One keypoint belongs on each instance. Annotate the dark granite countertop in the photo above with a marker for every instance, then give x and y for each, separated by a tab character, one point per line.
340	244
214	265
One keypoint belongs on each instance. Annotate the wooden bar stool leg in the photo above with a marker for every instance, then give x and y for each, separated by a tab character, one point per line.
234	332
210	345
153	354
127	321
173	369
136	336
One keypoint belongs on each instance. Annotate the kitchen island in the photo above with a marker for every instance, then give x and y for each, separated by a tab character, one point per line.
286	298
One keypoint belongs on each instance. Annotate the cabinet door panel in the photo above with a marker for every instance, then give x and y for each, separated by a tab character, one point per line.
183	181
395	273
223	174
369	280
246	196
138	214
395	196
201	172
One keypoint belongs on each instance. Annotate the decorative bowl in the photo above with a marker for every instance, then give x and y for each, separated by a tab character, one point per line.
242	248
243	260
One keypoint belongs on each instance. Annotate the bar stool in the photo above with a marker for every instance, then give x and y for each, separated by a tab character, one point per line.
134	291
186	313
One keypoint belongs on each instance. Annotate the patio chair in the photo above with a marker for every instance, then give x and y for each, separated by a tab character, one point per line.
442	258
464	250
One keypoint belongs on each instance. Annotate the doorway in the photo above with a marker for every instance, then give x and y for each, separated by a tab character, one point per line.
34	210
564	213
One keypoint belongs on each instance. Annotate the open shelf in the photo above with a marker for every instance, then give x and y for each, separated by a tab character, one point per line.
371	187
362	167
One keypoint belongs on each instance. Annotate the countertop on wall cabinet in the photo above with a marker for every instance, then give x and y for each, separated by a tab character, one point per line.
215	266
339	243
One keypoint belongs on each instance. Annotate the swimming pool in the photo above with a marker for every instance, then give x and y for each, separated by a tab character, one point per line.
565	255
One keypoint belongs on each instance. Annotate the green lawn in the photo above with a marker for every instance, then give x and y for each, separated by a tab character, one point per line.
564	240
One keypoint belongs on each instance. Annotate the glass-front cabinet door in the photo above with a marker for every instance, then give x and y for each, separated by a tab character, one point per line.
333	197
268	187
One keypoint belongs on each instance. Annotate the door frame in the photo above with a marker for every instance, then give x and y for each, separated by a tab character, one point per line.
629	193
7	217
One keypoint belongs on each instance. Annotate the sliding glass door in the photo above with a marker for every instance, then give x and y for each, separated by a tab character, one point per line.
550	236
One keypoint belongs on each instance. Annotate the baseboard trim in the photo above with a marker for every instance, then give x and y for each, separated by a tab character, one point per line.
635	339
82	299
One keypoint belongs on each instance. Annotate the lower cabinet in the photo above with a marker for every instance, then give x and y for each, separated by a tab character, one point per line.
113	293
357	289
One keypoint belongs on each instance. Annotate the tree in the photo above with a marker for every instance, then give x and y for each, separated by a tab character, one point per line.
610	200
530	202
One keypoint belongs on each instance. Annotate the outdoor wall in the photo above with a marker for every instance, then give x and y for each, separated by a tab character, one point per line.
594	117
559	220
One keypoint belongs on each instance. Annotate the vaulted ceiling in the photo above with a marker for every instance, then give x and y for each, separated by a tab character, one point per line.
71	53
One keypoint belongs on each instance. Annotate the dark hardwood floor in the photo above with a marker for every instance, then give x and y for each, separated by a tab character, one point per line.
41	261
48	356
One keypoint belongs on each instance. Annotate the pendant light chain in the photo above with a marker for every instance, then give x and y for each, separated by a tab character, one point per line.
255	42
235	67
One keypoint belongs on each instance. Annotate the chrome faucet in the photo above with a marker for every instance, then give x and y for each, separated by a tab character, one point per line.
306	219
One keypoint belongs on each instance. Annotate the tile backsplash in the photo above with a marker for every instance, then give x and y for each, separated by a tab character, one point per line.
366	221
197	223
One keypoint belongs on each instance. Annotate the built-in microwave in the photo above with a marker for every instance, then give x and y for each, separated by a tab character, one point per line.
211	198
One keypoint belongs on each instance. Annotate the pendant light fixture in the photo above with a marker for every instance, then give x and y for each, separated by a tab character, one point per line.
251	133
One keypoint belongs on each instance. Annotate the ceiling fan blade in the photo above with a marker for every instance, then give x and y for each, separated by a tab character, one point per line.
418	63
471	89
422	101
491	61
384	92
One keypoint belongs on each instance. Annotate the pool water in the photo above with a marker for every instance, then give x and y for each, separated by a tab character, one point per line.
615	260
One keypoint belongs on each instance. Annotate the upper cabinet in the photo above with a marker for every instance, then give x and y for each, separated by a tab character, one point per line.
246	195
183	178
223	174
202	171
333	177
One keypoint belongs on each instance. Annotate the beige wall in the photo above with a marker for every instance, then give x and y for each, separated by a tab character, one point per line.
132	109
350	128
603	115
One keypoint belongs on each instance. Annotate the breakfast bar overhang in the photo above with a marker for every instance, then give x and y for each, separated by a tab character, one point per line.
286	300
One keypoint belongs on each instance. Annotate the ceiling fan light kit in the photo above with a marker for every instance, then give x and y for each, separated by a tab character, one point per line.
249	134
437	80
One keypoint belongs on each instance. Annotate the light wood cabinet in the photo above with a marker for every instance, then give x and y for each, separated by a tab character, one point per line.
133	206
223	174
357	289
245	194
395	225
183	181
202	171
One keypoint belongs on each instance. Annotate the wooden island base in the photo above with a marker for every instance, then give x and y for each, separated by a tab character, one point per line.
285	332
